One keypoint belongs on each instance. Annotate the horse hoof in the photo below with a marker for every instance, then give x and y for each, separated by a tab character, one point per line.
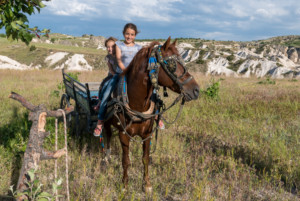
148	189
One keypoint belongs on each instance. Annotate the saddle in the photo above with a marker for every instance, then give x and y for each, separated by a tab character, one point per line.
119	103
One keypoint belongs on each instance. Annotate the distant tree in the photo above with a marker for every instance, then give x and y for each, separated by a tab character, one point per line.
13	18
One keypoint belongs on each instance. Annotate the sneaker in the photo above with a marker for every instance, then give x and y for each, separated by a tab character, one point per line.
161	125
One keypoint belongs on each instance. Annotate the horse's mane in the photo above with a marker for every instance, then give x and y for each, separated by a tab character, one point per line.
139	60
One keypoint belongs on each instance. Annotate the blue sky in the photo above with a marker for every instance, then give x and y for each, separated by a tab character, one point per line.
239	20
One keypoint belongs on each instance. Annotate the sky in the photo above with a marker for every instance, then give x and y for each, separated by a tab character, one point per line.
237	20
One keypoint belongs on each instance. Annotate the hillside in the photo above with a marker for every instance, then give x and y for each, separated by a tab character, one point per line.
276	57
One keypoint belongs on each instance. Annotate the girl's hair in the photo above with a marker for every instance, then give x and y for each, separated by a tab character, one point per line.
110	39
131	26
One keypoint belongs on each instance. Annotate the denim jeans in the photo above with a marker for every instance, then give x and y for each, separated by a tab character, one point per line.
105	93
103	85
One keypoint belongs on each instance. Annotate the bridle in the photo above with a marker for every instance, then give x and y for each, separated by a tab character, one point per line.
169	65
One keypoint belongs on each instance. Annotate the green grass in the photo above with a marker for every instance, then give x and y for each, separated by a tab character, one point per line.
20	52
243	146
294	43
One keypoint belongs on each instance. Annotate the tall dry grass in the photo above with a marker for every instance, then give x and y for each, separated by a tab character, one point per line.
243	146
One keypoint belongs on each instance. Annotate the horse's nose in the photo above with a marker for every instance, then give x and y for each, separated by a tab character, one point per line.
196	92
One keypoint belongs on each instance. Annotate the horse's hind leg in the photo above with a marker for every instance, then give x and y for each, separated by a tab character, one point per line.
146	152
125	158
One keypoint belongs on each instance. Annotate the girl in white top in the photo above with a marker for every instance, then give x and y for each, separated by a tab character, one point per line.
125	51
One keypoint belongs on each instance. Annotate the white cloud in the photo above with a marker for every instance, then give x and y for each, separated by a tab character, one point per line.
149	10
237	10
217	35
69	8
216	19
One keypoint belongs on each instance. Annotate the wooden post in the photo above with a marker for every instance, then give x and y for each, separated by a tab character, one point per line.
34	150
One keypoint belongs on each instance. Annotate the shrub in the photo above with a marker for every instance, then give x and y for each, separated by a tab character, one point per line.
267	81
200	61
230	57
235	66
260	49
212	91
34	191
32	48
61	87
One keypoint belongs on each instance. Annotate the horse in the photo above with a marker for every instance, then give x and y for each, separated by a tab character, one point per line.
140	85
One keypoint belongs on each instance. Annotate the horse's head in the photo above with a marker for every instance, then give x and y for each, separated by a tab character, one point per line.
173	73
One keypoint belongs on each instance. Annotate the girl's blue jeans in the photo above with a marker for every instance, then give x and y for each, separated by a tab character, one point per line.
105	93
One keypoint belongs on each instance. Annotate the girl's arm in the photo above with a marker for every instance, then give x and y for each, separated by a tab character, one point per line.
110	68
119	60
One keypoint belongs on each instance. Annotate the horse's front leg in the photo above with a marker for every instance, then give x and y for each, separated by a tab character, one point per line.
146	152
125	158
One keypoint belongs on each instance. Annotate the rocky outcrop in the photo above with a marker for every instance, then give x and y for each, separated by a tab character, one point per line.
293	54
247	60
218	66
239	59
8	63
76	62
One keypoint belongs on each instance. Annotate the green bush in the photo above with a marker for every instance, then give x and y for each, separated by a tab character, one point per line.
34	189
200	61
235	66
267	81
212	91
61	86
32	48
260	49
230	57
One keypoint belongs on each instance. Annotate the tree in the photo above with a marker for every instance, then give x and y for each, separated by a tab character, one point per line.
13	18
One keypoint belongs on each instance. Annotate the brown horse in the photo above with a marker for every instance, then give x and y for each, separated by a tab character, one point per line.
139	91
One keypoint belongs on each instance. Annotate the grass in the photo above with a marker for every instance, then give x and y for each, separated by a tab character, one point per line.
243	146
294	43
20	52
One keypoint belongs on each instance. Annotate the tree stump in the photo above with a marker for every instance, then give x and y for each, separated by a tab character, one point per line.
34	150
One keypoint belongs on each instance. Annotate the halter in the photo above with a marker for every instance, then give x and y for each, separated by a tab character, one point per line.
169	64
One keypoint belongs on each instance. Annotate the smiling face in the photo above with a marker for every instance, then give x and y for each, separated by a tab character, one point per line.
129	36
110	47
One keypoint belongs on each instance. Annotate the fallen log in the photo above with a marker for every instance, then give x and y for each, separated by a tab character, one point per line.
34	150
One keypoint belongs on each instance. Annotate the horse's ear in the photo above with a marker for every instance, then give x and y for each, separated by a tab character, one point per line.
167	44
175	41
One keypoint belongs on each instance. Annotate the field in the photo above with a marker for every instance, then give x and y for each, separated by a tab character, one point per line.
242	145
